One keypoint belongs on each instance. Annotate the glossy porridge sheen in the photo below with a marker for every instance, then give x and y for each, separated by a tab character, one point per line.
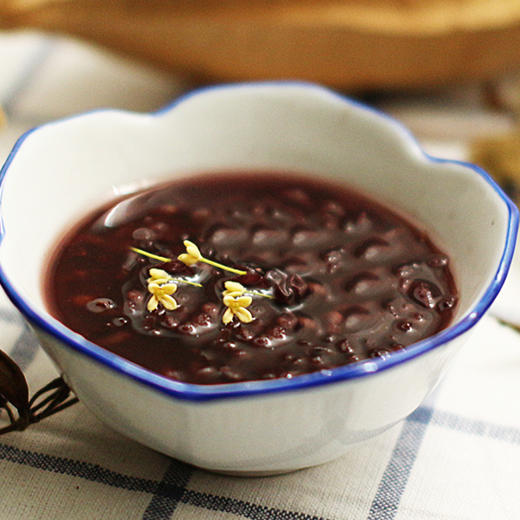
332	277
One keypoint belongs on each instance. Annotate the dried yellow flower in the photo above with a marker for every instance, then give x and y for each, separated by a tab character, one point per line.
161	286
193	255
236	306
233	289
158	275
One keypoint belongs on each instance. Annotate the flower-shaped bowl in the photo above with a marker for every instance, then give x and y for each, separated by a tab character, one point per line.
59	171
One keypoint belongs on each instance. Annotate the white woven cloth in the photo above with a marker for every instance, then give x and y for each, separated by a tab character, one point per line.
457	457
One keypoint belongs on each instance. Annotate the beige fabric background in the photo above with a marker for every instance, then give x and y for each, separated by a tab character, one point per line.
456	458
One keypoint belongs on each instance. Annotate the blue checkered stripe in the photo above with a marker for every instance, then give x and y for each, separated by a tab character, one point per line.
172	490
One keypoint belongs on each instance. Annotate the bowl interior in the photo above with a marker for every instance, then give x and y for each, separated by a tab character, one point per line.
60	171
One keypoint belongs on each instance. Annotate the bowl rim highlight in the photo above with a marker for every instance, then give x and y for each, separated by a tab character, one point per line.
194	392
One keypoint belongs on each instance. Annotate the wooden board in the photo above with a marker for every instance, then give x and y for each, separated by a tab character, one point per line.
365	44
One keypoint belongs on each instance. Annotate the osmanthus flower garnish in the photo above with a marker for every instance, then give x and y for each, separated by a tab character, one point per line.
162	285
193	256
236	298
236	306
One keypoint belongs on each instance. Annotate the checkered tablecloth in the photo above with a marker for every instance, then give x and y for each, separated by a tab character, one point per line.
456	457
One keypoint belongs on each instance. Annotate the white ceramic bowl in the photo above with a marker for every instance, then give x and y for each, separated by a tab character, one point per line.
59	171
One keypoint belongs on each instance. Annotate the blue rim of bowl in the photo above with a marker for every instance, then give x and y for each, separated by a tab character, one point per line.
193	392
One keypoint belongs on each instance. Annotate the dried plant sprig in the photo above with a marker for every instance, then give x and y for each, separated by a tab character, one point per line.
193	256
14	397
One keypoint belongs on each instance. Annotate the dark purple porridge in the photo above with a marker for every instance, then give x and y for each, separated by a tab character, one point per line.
328	277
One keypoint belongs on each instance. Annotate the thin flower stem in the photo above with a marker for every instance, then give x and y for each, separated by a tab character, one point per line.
150	255
224	267
195	284
163	259
256	293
